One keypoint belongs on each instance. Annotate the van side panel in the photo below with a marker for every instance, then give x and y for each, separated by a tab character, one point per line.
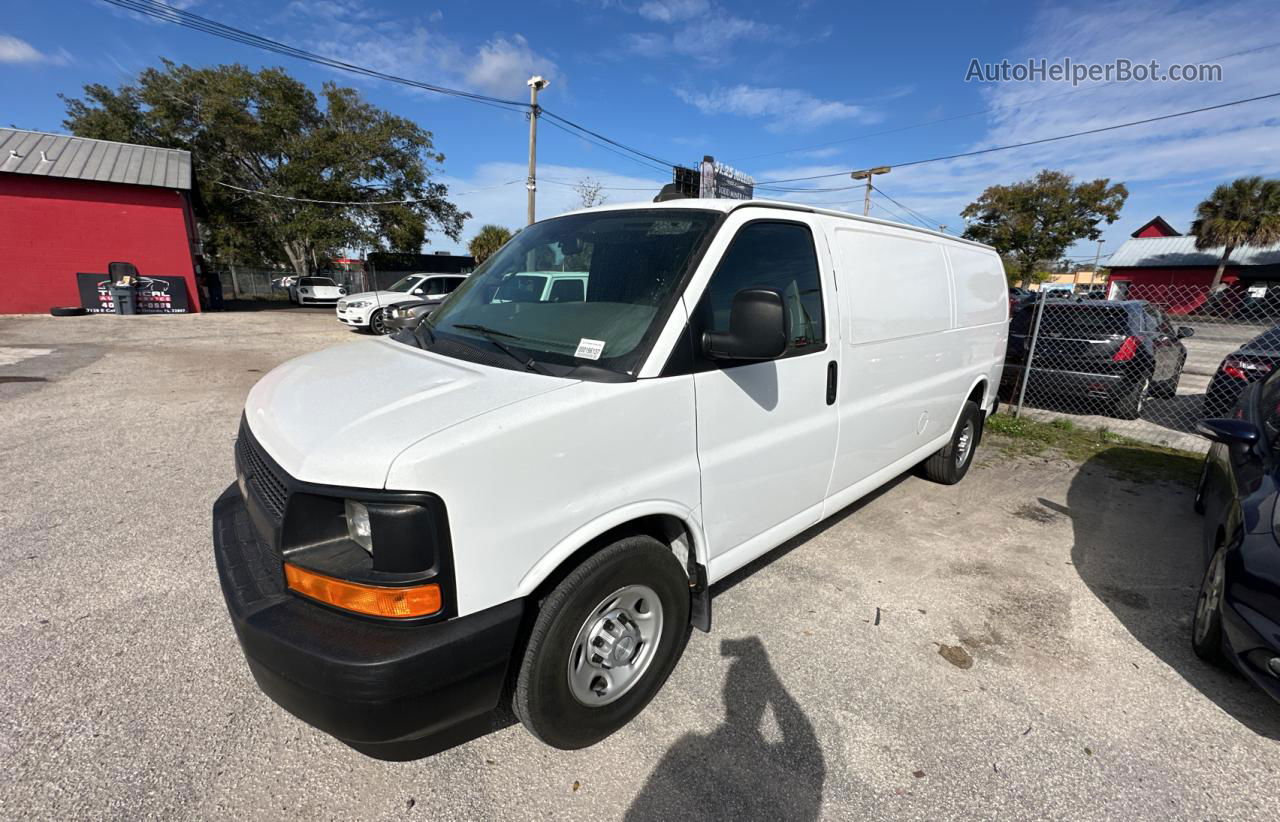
895	302
981	291
911	351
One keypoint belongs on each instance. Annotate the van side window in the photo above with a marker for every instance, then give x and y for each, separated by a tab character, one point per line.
777	255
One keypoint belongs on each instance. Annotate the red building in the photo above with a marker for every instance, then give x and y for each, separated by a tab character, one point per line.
69	206
1164	266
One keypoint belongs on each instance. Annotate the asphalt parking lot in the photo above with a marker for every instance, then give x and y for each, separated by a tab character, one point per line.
1014	646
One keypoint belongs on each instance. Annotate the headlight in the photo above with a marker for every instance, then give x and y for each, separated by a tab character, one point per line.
358	304
358	526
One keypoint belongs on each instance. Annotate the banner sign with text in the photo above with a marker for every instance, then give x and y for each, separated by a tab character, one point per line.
155	295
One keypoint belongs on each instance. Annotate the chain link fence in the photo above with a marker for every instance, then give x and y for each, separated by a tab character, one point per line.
249	283
1144	361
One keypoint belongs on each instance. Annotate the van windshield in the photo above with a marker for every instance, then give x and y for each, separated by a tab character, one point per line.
575	291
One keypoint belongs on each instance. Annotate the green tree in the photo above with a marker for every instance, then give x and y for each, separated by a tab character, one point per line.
263	146
487	241
1035	220
1245	212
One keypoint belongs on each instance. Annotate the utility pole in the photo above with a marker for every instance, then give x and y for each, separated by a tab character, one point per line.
536	84
867	174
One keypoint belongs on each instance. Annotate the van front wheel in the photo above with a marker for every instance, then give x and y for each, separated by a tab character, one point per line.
604	642
950	463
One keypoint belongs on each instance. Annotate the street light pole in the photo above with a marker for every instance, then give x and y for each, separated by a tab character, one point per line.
867	174
536	84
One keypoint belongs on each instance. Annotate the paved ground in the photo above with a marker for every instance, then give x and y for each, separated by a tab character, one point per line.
1060	594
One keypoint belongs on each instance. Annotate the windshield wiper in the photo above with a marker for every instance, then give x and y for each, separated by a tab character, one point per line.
492	335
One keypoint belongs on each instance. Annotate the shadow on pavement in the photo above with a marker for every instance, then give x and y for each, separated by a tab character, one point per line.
745	769
1150	581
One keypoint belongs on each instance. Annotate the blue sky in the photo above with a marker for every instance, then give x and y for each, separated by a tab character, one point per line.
768	87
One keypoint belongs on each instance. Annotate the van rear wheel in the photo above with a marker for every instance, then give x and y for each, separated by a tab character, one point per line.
949	465
605	640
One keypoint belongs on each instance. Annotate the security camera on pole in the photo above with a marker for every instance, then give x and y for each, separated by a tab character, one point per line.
536	84
867	174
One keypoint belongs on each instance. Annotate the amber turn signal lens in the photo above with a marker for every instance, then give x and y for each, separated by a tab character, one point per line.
374	600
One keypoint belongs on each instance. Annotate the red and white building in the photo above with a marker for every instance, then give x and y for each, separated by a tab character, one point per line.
70	205
1160	264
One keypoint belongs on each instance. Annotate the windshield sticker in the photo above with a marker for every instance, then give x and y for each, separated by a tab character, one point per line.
589	349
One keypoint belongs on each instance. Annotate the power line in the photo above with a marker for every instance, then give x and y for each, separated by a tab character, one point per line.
605	146
1033	142
608	140
160	11
186	19
906	207
990	110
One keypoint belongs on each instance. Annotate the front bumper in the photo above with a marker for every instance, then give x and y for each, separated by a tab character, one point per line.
363	681
356	317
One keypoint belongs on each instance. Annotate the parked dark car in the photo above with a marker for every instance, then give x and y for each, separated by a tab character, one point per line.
1237	613
1250	362
1017	296
1116	352
409	314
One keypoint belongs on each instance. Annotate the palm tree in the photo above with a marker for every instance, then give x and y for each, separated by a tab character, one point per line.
487	241
1245	212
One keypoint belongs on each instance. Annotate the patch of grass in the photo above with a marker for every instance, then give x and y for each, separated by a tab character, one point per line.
1128	458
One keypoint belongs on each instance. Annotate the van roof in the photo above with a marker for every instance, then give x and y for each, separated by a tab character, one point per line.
728	206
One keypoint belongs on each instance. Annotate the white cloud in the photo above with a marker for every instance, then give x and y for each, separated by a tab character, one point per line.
698	28
672	11
786	109
502	66
14	50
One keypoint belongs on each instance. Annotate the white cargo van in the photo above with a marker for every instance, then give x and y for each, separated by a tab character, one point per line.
528	500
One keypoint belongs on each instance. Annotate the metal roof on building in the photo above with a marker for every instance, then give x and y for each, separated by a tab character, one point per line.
79	158
1174	252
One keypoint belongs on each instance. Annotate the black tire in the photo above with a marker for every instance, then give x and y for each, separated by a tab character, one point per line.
543	698
949	465
68	311
1132	399
1197	502
1206	620
377	325
1168	389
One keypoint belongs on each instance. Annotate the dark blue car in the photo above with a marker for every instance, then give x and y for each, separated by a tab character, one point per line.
1237	617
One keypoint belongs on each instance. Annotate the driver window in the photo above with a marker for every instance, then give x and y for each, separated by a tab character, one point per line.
776	255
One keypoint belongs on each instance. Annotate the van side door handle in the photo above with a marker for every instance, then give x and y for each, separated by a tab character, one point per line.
831	382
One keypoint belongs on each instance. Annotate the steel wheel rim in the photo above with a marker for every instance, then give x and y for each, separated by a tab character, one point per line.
615	645
964	444
1210	596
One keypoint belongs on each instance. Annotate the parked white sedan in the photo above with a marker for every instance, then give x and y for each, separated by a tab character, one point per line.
310	290
365	311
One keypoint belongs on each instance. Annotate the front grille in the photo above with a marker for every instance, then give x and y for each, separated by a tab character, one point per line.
262	478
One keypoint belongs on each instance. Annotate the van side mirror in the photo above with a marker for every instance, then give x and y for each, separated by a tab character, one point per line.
759	328
1229	431
1185	331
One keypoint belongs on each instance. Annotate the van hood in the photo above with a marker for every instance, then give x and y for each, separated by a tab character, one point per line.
342	415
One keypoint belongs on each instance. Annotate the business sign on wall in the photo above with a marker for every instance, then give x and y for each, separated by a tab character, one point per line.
156	295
